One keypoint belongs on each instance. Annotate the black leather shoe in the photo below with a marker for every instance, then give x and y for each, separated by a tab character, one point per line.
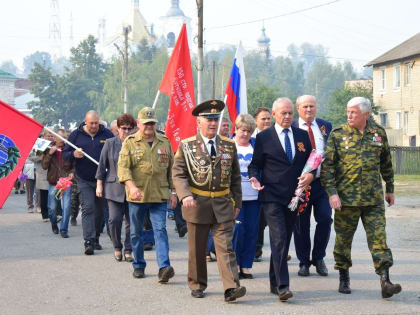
182	231
89	250
303	271
54	228
138	273
148	246
165	274
118	255
273	290
197	293
243	275
64	234
234	293
73	221
284	294
97	245
289	257
321	269
344	285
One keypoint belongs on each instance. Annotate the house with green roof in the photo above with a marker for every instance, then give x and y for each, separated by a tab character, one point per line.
7	87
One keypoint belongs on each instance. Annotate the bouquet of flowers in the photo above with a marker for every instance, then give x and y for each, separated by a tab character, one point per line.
302	193
22	177
63	184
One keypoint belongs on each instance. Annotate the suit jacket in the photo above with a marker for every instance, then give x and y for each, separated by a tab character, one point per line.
272	168
324	126
226	175
107	170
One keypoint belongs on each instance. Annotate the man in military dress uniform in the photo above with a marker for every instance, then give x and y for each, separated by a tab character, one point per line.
207	179
356	156
144	166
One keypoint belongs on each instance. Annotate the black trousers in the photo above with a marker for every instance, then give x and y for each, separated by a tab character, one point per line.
261	228
280	222
92	209
179	220
118	211
44	203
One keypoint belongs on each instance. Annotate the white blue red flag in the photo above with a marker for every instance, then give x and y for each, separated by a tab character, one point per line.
235	95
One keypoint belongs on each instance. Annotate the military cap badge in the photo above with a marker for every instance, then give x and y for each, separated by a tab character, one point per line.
9	155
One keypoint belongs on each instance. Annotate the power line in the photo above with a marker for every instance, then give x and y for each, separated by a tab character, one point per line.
276	16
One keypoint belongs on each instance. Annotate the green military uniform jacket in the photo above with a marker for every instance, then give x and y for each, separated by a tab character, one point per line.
354	163
148	167
192	160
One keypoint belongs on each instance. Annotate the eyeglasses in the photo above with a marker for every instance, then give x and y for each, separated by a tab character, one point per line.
126	128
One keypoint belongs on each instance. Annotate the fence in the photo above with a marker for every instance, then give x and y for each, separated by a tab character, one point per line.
406	160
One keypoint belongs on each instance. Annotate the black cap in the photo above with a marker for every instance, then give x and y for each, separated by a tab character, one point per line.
209	109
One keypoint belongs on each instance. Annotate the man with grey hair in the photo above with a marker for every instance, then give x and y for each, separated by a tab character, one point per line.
357	155
318	131
280	153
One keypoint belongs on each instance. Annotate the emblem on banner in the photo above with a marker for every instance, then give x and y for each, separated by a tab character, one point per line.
9	155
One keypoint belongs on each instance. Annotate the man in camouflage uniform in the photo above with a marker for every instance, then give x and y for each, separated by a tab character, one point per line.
144	166
356	156
207	179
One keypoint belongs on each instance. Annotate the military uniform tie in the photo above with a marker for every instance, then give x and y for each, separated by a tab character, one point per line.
212	151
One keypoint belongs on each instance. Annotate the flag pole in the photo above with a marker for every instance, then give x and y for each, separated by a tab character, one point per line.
72	145
221	116
156	99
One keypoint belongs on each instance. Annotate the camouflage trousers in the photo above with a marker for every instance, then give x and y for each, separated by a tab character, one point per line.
345	225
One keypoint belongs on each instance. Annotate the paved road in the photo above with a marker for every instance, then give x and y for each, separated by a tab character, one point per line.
41	273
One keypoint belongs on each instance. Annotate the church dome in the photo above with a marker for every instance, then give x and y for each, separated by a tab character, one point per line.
263	39
175	10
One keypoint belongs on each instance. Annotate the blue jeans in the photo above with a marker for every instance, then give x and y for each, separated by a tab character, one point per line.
158	218
65	205
245	234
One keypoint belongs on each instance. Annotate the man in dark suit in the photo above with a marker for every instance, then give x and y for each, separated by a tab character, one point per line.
318	131
280	154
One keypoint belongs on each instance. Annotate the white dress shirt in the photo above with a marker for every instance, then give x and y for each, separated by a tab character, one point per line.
281	135
208	145
319	139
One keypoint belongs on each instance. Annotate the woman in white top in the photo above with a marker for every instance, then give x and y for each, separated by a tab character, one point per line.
246	228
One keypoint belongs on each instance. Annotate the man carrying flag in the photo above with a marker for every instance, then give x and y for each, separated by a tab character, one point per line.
235	96
15	145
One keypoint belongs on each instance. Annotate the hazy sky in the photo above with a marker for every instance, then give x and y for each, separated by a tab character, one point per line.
355	30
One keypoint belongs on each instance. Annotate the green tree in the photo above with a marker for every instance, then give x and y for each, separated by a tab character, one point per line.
261	96
337	105
64	99
41	57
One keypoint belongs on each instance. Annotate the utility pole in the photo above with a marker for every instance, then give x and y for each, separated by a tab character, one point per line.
213	90
124	55
200	51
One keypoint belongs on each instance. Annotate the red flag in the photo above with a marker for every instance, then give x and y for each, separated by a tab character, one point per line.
178	84
18	134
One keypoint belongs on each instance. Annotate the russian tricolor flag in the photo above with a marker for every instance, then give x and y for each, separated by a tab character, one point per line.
235	97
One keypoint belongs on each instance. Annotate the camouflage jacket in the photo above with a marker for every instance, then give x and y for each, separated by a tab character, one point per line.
354	163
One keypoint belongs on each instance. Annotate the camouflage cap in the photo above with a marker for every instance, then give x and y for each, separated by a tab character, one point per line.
146	115
209	109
